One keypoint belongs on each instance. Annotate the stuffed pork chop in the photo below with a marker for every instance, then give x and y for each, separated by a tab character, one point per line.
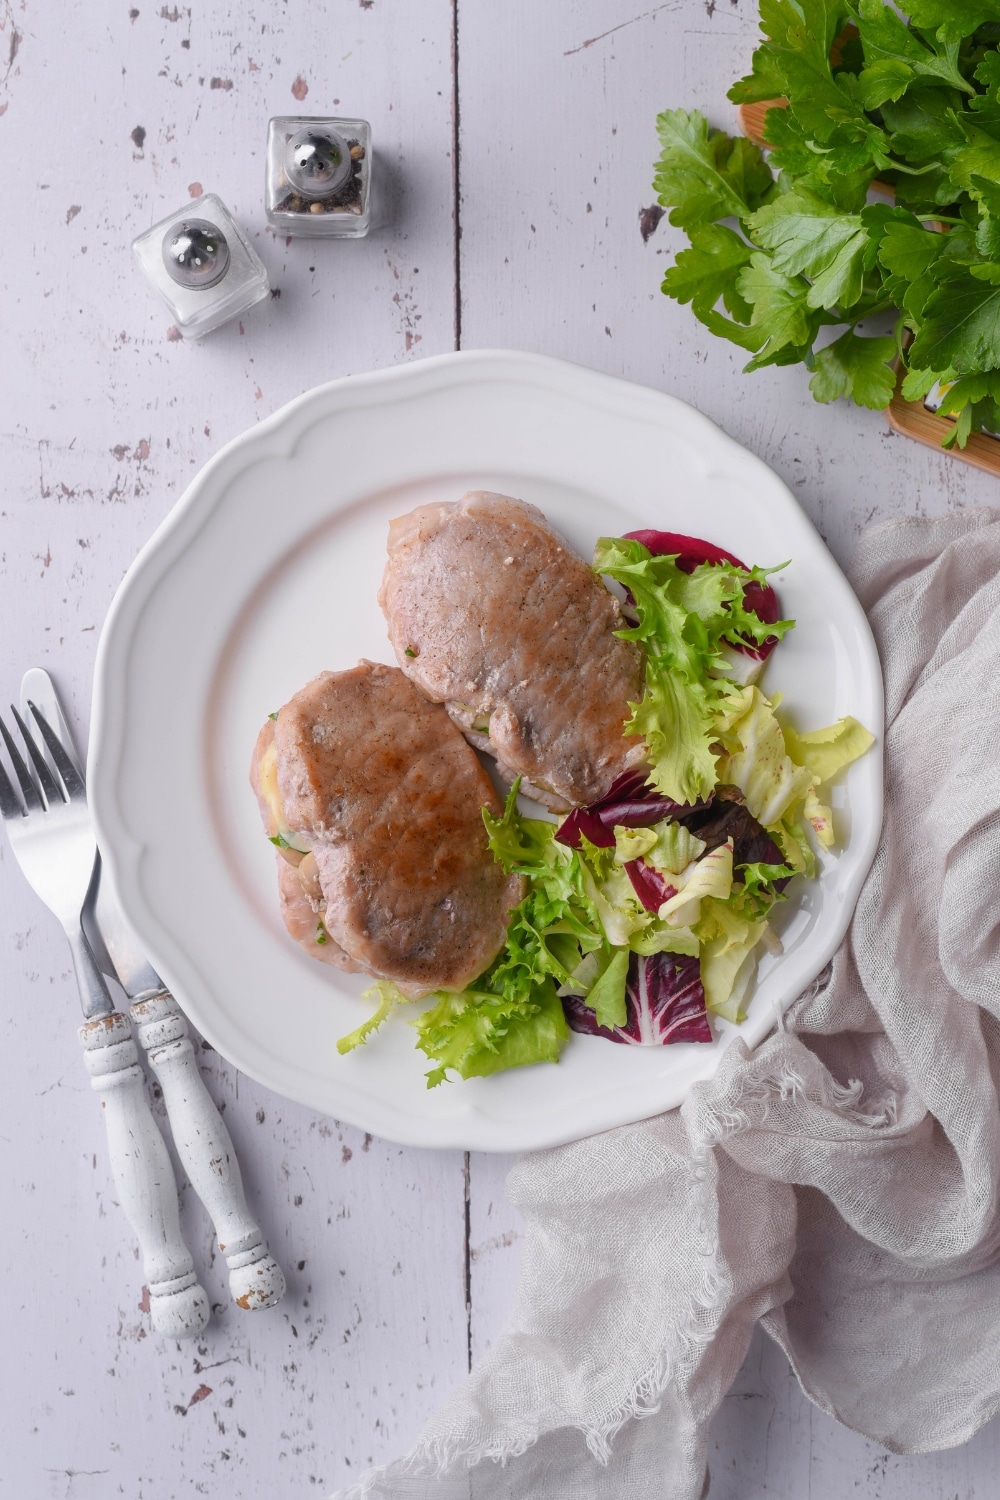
375	802
492	613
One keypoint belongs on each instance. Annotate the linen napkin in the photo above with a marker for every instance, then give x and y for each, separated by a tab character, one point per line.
839	1184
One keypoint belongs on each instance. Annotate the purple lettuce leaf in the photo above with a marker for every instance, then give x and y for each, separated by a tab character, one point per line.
664	1000
728	817
650	886
631	803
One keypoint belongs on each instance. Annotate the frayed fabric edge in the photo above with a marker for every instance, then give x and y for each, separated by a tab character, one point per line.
751	1103
437	1458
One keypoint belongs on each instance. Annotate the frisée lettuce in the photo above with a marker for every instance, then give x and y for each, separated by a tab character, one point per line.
684	619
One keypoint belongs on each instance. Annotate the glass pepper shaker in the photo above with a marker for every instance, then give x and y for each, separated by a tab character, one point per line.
318	176
202	265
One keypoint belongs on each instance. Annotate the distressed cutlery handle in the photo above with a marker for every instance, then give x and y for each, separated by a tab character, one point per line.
178	1305
206	1150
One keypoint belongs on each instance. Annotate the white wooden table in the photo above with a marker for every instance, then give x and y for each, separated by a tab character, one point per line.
518	142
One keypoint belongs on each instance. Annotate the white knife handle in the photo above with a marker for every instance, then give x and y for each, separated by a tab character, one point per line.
204	1146
178	1306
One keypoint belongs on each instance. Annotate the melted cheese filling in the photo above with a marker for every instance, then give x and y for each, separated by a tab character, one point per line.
269	790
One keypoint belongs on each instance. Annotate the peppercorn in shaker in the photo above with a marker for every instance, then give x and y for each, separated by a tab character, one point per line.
202	265
318	176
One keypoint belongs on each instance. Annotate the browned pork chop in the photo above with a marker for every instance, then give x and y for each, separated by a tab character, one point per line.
384	798
493	614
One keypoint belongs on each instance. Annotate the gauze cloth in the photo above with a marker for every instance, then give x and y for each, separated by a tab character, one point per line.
839	1184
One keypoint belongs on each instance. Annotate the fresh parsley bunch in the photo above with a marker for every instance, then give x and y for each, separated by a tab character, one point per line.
808	239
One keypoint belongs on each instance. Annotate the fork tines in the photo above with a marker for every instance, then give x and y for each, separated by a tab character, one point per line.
72	780
46	790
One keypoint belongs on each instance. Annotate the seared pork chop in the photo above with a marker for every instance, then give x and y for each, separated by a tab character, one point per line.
492	613
383	799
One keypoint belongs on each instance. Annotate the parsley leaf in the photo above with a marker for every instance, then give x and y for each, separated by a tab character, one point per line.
779	303
808	236
953	19
709	270
857	367
961	328
893	51
704	175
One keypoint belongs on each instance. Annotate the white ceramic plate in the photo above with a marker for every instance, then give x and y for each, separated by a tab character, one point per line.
266	572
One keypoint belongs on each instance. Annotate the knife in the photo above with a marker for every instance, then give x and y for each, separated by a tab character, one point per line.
203	1143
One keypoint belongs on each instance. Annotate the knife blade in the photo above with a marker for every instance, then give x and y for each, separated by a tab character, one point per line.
133	970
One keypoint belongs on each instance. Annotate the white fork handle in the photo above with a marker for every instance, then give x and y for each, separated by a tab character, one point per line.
206	1150
178	1306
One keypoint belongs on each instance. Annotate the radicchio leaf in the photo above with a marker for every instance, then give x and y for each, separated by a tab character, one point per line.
759	598
729	818
631	803
664	1001
649	885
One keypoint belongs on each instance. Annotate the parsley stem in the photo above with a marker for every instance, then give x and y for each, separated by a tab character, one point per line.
926	166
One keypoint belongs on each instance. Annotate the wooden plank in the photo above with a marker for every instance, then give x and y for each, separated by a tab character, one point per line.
496	1235
105	420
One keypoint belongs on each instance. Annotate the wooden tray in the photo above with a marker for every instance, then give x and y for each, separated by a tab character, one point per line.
913	419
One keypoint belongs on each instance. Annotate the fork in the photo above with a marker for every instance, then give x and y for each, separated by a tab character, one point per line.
53	842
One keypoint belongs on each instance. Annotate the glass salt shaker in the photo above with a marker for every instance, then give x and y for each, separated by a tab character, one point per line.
318	176
202	265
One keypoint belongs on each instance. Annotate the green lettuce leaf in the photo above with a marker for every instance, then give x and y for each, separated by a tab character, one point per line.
755	895
607	996
727	939
667	846
711	876
674	718
663	939
388	997
756	759
826	752
477	1032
